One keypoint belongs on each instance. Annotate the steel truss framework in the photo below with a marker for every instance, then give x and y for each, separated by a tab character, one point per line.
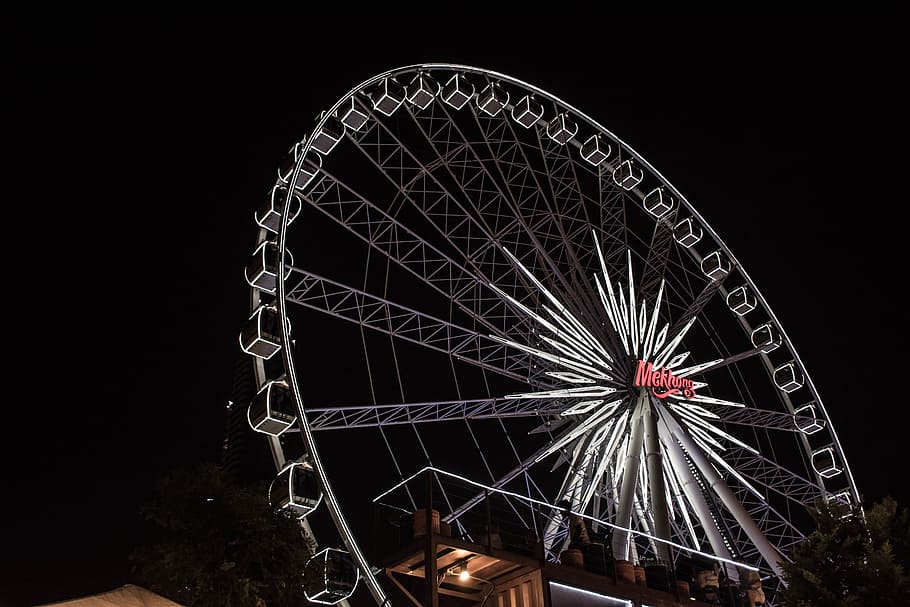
519	271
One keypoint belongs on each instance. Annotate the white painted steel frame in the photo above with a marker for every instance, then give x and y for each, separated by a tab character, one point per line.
557	187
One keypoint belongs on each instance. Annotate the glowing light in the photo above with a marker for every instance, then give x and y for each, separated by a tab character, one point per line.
595	440
464	575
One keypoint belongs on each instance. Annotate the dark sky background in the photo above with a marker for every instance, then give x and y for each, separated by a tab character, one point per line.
141	151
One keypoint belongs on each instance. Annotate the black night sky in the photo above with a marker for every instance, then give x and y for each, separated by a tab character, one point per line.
140	152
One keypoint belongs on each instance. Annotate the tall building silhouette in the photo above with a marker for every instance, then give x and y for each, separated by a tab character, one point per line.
245	453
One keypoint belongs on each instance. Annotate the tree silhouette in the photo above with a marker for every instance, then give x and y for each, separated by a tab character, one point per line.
215	541
852	559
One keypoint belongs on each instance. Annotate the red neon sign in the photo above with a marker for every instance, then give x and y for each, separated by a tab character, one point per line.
662	381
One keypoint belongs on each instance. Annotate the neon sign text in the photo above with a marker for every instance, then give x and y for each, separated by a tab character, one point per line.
662	381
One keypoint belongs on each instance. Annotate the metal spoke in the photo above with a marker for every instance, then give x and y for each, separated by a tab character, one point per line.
353	305
337	418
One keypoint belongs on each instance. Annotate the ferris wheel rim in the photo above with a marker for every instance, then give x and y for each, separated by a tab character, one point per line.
456	67
281	290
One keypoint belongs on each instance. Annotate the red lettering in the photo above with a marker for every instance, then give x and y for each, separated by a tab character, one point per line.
646	376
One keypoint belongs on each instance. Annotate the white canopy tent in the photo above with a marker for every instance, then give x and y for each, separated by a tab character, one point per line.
128	595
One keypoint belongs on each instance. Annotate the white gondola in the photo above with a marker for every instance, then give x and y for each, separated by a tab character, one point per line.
261	335
269	216
351	114
825	462
527	112
330	576
421	91
492	99
687	232
295	489
561	129
741	301
308	169
658	202
766	337
262	268
842	497
788	377
627	175
715	265
806	420
325	139
595	150
457	91
272	411
388	96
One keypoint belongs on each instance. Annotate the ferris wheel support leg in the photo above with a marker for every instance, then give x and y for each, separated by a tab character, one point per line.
629	480
569	492
693	494
659	509
771	555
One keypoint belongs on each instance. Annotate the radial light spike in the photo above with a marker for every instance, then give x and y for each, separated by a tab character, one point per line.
580	429
642	324
633	324
609	286
536	282
578	340
661	337
682	402
697	368
583	392
572	378
698	398
677	360
668	349
582	407
578	367
701	435
652	326
540	319
614	315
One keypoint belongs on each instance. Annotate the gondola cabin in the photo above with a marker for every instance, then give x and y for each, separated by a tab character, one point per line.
741	300
262	268
351	114
273	410
806	420
766	337
388	96
326	138
658	202
422	90
687	232
330	577
457	91
527	111
561	129
309	168
261	337
269	216
715	266
295	489
595	150
492	99
788	377
627	175
825	462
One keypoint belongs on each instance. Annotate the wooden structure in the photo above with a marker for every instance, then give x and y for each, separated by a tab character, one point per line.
497	577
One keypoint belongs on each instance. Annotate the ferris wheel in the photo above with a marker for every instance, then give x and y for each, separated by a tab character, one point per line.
484	279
